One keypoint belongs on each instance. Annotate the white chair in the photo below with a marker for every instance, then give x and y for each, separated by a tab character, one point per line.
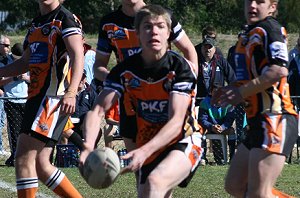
223	139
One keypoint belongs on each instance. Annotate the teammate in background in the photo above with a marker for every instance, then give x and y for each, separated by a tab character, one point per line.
167	133
51	94
117	34
262	58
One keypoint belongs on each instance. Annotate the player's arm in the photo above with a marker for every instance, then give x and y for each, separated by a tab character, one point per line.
93	119
17	67
100	66
185	45
268	78
234	96
74	45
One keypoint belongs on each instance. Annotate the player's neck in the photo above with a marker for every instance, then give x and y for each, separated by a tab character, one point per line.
131	10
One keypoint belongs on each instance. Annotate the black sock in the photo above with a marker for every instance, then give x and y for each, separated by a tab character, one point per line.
77	140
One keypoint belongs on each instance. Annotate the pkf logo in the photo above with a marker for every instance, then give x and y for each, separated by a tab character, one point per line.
154	106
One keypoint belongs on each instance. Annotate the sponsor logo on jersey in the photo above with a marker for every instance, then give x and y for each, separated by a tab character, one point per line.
154	111
119	34
134	83
39	52
130	51
279	50
241	67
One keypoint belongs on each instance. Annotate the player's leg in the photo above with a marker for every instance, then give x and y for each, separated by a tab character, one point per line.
52	177
166	175
26	175
237	174
264	168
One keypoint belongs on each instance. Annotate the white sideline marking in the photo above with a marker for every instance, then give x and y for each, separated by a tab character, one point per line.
10	187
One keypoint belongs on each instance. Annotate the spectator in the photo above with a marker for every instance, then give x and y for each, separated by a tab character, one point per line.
219	120
294	79
160	84
208	32
15	87
295	51
213	69
89	60
5	58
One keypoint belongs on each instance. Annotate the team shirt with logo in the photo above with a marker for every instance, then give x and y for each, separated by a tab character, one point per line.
117	34
262	45
147	89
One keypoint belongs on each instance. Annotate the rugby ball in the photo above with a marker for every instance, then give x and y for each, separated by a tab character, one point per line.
101	168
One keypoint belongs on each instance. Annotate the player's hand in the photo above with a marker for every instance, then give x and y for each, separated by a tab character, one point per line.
83	155
138	157
68	105
227	95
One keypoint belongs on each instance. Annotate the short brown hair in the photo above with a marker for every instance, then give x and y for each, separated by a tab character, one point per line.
209	30
153	11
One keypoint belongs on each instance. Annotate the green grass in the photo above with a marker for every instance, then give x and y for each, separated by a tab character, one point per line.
207	183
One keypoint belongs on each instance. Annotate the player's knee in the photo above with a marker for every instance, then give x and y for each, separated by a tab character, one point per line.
156	182
234	190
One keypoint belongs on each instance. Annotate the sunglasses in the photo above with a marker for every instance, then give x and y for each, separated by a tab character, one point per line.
5	45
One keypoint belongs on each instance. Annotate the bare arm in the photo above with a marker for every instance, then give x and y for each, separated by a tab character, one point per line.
177	108
233	95
93	119
187	48
100	66
74	45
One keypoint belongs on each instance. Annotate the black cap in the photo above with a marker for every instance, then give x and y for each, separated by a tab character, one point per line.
209	41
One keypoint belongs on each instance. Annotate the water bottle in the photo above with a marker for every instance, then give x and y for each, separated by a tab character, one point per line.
126	160
120	154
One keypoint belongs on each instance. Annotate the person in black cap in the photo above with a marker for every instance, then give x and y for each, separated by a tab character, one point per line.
213	69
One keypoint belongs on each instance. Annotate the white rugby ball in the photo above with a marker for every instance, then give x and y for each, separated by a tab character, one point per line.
101	168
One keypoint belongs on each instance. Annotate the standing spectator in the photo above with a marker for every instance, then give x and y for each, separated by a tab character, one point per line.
295	51
294	79
208	31
160	84
89	60
5	58
117	34
15	87
213	69
262	58
219	120
54	34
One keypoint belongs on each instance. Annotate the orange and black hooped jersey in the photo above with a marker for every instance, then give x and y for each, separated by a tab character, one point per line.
117	34
48	64
148	89
262	45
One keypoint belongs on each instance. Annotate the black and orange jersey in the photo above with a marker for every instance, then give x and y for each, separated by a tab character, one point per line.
262	45
48	64
117	34
148	89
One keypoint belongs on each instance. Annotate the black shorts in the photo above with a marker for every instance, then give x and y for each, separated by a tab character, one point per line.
274	133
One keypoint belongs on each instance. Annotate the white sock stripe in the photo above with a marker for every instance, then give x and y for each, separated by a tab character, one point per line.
55	180
52	177
24	183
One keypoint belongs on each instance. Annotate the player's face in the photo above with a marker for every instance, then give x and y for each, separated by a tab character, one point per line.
154	34
131	2
257	10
